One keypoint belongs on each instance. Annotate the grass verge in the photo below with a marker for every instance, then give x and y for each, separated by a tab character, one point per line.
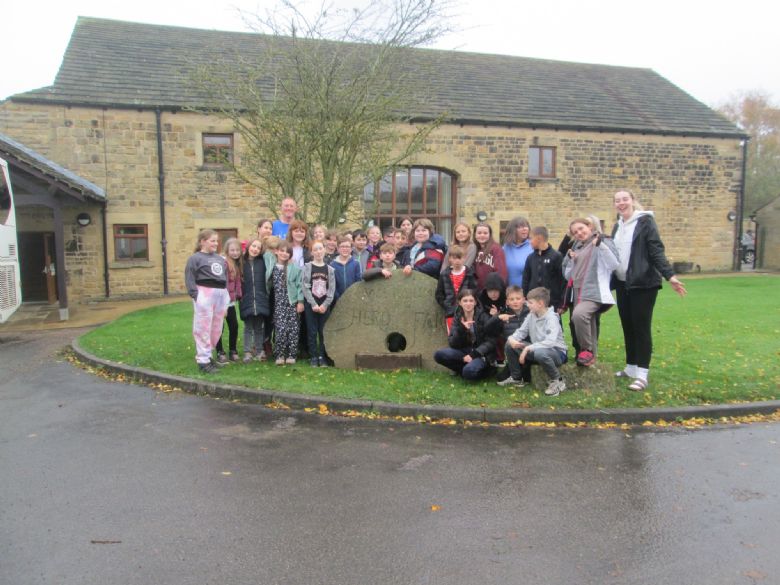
718	345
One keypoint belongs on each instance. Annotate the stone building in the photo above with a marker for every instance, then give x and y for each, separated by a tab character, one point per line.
545	139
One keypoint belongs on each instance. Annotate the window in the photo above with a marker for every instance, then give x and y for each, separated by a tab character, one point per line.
217	150
131	242
224	235
415	192
541	162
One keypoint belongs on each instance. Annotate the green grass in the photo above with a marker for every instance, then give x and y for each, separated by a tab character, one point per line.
720	344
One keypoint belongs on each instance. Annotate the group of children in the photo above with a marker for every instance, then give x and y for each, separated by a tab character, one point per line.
276	280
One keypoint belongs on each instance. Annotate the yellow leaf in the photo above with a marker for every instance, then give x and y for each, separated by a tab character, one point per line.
435	508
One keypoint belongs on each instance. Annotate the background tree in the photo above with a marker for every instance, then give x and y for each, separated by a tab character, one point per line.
757	116
326	104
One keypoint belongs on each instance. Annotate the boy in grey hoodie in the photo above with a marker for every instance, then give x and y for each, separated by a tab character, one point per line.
546	348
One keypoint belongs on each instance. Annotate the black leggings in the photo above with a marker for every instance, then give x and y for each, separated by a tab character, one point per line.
636	316
232	322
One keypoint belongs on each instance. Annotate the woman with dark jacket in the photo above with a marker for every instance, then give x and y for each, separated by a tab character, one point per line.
637	281
472	340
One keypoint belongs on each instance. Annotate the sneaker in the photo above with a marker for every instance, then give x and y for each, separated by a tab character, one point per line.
585	358
324	362
555	387
315	363
247	357
233	356
279	361
219	364
510	381
289	361
222	357
261	357
207	368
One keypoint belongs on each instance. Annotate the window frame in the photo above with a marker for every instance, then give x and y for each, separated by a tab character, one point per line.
131	238
230	150
396	214
540	170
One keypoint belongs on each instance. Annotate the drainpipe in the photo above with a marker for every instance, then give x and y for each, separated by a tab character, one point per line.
740	208
161	180
106	282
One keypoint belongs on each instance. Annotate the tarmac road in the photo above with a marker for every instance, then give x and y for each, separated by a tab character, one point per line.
108	483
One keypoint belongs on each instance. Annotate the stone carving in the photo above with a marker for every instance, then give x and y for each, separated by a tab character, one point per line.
395	316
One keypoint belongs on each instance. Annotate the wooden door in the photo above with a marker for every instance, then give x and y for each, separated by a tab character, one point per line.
36	263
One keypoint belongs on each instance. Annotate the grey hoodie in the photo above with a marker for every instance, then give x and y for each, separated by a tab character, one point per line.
592	279
544	331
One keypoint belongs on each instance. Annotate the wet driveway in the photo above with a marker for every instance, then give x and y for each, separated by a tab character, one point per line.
109	483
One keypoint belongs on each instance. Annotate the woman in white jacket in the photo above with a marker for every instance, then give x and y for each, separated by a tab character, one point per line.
589	264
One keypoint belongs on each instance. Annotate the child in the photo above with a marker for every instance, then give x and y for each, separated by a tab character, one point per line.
399	241
490	256
265	229
346	268
254	306
427	252
205	277
451	280
546	348
360	244
493	296
472	340
288	305
374	235
319	287
331	242
510	318
298	237
387	265
461	236
544	268
318	232
407	227
589	264
232	254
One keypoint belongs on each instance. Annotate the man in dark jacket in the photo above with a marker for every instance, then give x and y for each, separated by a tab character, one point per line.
543	268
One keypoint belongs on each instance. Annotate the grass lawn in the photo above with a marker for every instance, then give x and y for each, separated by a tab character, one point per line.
720	344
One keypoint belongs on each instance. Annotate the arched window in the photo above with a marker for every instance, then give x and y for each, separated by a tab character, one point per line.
414	192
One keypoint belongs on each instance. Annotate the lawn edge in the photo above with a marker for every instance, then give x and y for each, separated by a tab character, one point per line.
307	403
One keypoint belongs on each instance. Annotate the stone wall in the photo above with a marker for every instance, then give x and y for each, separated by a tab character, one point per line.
690	183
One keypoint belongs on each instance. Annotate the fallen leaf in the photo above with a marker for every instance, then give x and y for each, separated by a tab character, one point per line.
435	508
227	473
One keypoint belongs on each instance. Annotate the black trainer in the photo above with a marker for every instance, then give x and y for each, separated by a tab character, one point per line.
207	368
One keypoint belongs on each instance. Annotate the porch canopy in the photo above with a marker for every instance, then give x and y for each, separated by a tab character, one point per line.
39	181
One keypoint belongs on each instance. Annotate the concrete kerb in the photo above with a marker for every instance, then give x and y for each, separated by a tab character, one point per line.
433	412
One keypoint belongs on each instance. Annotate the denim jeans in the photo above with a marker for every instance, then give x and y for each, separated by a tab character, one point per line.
451	358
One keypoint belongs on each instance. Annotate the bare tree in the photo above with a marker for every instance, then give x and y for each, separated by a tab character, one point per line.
329	103
755	113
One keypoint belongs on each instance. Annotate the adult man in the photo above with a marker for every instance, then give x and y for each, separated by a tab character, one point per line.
287	211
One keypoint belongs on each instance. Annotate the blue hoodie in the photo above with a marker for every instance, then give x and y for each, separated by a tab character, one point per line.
516	255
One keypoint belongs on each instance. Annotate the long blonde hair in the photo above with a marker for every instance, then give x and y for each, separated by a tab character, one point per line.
235	267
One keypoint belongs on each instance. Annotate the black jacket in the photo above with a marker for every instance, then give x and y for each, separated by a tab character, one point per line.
482	343
493	282
509	327
545	270
445	292
647	262
254	301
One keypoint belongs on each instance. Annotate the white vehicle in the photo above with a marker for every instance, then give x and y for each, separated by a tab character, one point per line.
10	279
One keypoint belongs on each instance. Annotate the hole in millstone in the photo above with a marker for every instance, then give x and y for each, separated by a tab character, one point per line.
396	342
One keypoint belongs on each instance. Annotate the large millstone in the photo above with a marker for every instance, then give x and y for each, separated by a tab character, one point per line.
387	323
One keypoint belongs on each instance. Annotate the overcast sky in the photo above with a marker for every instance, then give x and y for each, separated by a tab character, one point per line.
712	50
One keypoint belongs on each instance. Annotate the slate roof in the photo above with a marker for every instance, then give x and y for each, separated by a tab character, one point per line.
125	64
11	148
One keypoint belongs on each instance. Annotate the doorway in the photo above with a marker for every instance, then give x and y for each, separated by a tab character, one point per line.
36	263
